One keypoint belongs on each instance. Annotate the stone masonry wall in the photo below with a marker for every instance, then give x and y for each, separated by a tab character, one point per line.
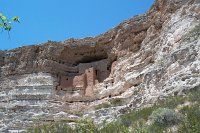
98	65
91	77
88	75
79	82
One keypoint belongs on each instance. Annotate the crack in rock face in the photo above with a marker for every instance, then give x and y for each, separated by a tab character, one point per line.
143	59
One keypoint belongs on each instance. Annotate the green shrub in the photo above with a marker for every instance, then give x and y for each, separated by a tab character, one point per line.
59	127
172	102
114	127
85	126
194	94
129	119
140	126
163	116
191	123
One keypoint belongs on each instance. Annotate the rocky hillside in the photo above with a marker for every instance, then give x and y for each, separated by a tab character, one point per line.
142	60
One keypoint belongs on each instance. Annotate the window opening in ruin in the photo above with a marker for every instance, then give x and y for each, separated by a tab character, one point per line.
106	86
89	71
67	79
96	72
110	96
108	68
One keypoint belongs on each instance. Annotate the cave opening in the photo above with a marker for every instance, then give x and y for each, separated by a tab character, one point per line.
90	70
88	59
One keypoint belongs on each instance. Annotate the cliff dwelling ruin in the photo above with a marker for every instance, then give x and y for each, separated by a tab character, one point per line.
89	74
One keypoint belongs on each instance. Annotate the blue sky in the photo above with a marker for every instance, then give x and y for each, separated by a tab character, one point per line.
43	20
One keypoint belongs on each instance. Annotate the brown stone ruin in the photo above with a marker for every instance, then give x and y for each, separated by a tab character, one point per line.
89	74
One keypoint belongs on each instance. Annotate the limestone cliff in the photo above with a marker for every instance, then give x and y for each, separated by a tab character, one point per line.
145	58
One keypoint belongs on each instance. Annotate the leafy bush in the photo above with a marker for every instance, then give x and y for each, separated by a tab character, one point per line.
114	127
164	116
134	116
59	127
191	122
85	126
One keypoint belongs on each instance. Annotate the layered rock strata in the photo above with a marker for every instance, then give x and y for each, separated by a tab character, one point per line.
145	58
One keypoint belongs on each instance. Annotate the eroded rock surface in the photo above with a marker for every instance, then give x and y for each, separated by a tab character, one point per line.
145	58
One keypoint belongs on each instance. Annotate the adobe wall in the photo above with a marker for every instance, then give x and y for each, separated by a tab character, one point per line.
79	82
98	65
102	75
66	82
73	81
102	69
90	76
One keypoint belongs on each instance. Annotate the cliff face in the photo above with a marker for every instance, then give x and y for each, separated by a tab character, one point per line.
145	58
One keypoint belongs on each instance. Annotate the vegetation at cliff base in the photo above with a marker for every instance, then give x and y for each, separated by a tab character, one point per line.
175	114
